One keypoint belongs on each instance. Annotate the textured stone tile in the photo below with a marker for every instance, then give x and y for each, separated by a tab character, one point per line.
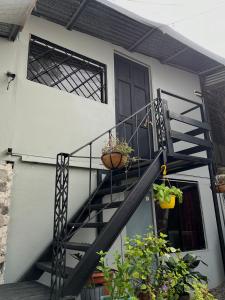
5	190
4	219
3	174
5	210
3	186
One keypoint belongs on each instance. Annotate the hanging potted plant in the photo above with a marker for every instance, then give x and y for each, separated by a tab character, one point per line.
115	154
166	196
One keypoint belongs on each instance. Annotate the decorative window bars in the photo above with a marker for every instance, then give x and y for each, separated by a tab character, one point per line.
57	67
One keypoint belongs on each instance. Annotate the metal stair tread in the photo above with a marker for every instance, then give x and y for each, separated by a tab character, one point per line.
88	225
77	246
24	291
47	267
114	190
132	172
181	165
98	206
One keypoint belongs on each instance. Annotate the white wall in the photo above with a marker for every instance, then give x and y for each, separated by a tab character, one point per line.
38	121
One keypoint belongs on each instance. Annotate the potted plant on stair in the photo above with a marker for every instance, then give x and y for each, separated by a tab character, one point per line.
115	154
166	196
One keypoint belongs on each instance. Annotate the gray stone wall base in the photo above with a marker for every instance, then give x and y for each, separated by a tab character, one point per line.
5	193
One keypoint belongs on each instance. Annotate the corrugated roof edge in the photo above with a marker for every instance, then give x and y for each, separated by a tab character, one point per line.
165	29
16	27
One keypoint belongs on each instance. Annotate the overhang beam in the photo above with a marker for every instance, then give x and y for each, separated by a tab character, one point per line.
186	69
210	69
14	32
169	58
141	39
76	14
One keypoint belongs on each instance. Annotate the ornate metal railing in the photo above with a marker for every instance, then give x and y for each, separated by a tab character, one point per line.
168	135
142	121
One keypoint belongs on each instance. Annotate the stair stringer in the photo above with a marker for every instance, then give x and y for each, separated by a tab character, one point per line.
79	276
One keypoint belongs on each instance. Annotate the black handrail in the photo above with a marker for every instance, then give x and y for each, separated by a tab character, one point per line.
114	127
180	97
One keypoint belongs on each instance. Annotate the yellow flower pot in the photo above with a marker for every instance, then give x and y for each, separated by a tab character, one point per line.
168	205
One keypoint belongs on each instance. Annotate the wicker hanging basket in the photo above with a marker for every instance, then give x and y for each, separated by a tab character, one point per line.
114	160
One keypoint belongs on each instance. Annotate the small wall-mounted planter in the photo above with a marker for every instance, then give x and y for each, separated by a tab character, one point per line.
220	183
114	160
220	188
170	204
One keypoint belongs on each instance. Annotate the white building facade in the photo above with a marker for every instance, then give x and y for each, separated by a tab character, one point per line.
38	121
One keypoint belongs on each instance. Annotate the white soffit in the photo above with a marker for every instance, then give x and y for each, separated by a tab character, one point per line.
15	11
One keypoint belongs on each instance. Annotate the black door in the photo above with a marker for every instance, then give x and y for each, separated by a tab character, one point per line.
132	93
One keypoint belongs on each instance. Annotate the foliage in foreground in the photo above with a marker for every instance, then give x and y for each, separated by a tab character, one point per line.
152	268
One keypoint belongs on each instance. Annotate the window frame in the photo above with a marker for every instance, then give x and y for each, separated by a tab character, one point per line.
81	60
196	183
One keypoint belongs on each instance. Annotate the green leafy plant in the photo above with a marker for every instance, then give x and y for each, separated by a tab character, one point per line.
143	254
133	275
116	145
179	273
162	193
151	269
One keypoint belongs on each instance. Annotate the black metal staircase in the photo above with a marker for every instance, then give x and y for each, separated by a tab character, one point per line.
145	172
133	181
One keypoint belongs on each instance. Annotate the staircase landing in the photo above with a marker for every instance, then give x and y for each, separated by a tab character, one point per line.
28	290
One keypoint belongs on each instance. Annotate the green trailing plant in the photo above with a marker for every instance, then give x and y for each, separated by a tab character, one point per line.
162	193
201	292
116	145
